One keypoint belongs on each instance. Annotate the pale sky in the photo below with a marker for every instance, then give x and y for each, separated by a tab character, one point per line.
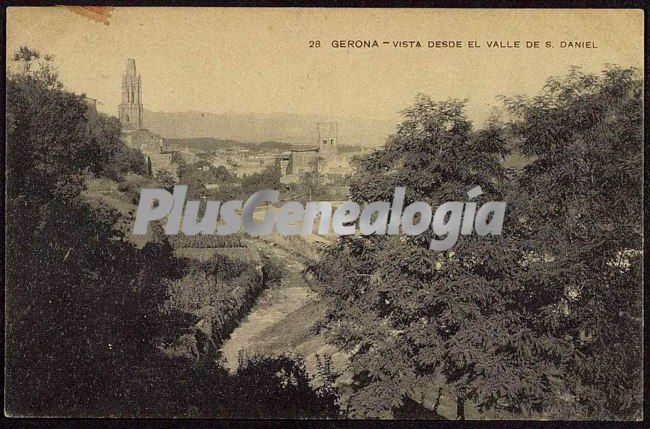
258	60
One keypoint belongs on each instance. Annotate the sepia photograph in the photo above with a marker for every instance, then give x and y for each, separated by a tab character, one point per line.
324	213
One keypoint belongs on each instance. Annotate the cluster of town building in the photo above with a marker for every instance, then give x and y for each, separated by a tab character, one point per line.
324	157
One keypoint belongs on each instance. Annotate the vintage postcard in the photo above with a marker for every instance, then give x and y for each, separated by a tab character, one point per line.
297	213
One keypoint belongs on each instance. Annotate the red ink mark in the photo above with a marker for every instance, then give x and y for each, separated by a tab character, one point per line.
96	13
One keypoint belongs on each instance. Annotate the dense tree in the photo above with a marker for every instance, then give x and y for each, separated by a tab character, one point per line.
198	174
82	302
165	180
542	319
310	187
74	310
267	179
580	202
282	381
408	313
112	158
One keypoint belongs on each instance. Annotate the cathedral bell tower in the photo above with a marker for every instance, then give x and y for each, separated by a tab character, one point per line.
328	135
131	109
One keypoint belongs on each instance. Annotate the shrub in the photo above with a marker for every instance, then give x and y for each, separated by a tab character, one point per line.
206	241
219	291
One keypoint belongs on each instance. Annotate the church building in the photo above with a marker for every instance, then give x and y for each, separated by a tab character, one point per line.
324	159
135	135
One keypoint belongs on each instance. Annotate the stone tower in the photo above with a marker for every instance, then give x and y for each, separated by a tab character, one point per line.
130	110
328	140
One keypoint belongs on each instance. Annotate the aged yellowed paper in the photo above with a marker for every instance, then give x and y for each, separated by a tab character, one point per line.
324	213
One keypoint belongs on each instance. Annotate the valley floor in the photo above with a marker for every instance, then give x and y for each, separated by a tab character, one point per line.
283	320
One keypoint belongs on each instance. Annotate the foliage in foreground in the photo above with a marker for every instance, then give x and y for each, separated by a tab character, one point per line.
82	302
543	319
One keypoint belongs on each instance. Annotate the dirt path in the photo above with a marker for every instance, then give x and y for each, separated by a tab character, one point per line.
282	319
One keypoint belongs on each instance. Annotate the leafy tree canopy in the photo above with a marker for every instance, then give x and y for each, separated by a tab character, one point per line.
545	318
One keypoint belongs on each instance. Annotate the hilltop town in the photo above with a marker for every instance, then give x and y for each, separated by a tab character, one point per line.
326	157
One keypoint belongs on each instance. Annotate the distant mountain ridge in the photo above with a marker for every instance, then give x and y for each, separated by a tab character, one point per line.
208	144
251	127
